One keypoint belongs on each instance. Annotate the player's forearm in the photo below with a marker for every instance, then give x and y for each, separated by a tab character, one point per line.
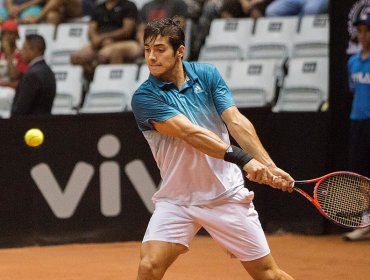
205	141
243	131
199	138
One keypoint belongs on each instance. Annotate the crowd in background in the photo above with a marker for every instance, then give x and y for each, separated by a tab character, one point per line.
116	26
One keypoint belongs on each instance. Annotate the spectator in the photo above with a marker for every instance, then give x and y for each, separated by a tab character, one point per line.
88	6
56	11
21	10
152	10
210	11
112	36
36	90
359	84
225	9
3	12
254	8
194	8
160	9
244	8
12	65
296	7
232	9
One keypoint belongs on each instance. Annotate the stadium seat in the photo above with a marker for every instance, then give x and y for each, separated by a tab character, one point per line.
188	32
306	85
143	74
313	37
68	97
223	67
253	82
227	39
273	37
112	89
69	37
46	30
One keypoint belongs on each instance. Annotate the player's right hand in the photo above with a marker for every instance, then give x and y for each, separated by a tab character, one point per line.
274	177
281	179
258	172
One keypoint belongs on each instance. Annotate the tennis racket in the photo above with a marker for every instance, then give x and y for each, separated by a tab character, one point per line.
342	197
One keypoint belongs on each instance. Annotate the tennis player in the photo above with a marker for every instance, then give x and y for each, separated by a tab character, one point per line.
185	111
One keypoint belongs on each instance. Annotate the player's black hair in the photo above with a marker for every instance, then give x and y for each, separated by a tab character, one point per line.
167	27
36	41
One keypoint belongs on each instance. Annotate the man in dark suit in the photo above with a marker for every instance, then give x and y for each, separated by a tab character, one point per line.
36	90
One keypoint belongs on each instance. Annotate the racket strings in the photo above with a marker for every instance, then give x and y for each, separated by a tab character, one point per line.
345	199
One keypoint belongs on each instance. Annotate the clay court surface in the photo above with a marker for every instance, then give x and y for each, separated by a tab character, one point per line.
304	257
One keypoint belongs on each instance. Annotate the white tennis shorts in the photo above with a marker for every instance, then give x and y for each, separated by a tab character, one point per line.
233	224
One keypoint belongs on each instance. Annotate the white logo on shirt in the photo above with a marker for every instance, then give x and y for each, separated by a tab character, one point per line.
197	89
363	78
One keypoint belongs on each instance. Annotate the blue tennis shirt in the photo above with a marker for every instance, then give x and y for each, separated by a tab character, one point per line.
202	98
189	177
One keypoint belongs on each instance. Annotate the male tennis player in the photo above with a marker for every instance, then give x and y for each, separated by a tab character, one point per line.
182	110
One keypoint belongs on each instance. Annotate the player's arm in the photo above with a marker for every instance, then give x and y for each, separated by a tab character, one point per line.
200	138
209	143
244	133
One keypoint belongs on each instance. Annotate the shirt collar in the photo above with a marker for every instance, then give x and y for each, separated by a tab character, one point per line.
35	60
189	73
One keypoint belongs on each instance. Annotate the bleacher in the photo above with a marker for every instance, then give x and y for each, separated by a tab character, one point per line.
276	56
280	63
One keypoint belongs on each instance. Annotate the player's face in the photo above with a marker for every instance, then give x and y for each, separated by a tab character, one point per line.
363	36
161	58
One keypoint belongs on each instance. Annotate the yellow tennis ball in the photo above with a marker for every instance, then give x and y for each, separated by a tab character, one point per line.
34	137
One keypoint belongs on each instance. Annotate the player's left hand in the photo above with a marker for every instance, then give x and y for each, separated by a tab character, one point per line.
281	179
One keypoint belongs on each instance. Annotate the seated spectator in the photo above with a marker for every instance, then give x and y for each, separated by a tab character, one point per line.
88	6
112	36
296	7
155	9
194	8
12	66
254	8
56	11
20	10
210	11
159	9
244	8
3	11
232	9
